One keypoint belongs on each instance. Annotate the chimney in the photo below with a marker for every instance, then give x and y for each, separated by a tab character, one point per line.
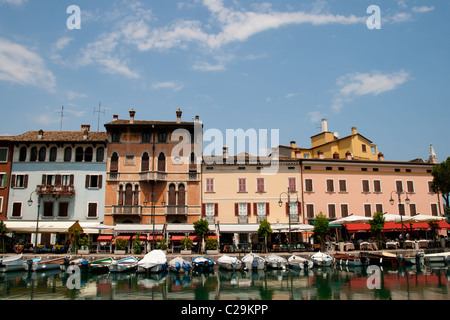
86	134
197	119
132	114
348	156
433	158
354	131
115	117
320	155
225	152
324	125
85	127
293	145
380	157
41	134
179	113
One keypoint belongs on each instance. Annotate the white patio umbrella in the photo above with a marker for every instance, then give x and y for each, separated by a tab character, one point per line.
425	218
396	218
351	219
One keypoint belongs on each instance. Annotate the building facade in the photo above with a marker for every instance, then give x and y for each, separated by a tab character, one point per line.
58	175
153	170
6	152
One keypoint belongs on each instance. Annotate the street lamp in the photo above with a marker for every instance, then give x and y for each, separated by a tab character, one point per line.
30	203
280	203
407	201
153	215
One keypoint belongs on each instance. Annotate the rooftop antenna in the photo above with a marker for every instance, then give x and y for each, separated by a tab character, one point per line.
99	110
62	115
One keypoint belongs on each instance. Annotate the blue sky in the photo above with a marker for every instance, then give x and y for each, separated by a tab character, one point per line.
281	64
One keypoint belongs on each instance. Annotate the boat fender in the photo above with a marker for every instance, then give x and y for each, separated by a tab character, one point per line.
177	265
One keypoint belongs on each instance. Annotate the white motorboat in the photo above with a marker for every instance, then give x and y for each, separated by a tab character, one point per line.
297	262
321	259
17	265
253	261
123	265
180	265
8	259
229	263
153	262
437	257
276	262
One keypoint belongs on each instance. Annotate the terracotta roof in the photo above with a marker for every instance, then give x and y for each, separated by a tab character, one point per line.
63	136
121	122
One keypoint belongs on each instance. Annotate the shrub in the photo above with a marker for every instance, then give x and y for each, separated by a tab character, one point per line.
121	244
211	244
186	243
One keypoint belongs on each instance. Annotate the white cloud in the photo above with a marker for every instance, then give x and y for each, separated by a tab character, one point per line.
22	66
168	85
422	9
71	95
63	42
359	84
316	116
13	2
290	95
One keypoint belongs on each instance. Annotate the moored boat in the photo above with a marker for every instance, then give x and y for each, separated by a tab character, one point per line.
99	266
276	262
123	265
229	263
416	259
253	261
347	259
153	262
203	264
321	259
438	257
384	258
17	265
42	265
180	265
297	262
80	262
8	259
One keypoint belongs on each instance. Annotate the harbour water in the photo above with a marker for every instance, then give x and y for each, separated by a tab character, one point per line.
429	282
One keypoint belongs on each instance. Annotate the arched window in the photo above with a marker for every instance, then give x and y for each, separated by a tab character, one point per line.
172	196
114	167
79	154
145	162
33	154
181	195
68	154
23	154
193	159
88	154
162	162
42	154
129	195
53	154
100	154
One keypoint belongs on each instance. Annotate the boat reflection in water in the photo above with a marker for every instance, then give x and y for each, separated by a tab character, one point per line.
338	282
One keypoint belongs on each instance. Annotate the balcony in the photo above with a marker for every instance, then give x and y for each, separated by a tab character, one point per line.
153	176
56	191
127	210
176	210
243	219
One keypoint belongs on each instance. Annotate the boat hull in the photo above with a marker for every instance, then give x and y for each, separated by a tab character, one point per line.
158	268
203	264
349	260
44	265
17	265
321	260
230	266
180	265
438	257
254	262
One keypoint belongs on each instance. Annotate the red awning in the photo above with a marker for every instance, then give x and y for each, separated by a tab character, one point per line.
104	238
122	237
392	226
158	236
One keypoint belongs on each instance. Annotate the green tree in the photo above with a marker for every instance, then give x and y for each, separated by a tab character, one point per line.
137	244
264	230
75	240
376	225
441	181
201	228
321	228
186	243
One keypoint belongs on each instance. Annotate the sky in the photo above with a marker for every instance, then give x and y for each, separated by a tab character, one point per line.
380	66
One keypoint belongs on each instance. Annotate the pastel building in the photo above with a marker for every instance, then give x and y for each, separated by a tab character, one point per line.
63	174
6	152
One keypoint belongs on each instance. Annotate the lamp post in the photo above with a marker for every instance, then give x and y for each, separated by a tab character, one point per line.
30	203
153	214
391	201
280	203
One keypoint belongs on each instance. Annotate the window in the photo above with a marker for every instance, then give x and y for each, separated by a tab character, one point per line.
434	209
293	208
412	209
331	211
242	209
115	137
310	211
146	137
379	207
377	186
401	209
1	204
399	186
3	154
308	185
63	210
19	181
3	180
23	154
330	185
89	154
53	154
365	186
431	187
67	180
114	166
410	186
48	209
260	185
342	185
364	148
33	154
92	210
162	137
161	162
67	154
292	184
368	210
209	184
79	154
242	185
145	162
48	179
100	154
210	209
261	209
344	210
17	209
93	181
42	154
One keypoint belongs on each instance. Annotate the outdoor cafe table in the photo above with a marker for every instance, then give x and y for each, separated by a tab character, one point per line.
368	246
420	243
347	246
392	244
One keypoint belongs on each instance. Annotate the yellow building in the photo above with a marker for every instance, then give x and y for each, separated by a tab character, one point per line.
328	145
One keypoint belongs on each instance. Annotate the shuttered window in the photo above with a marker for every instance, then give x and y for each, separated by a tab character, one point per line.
377	186
330	185
401	209
161	162
145	162
365	186
344	210
63	209
342	185
412	209
368	210
308	185
310	210
292	184
434	209
114	166
242	185
209	184
48	209
260	184
410	186
379	207
181	195
17	209
331	211
92	210
399	186
172	195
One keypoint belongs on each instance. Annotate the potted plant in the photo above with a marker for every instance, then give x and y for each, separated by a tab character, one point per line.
84	243
211	246
137	244
186	245
120	246
162	244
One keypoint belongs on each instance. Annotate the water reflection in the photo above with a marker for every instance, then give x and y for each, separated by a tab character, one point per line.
333	283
